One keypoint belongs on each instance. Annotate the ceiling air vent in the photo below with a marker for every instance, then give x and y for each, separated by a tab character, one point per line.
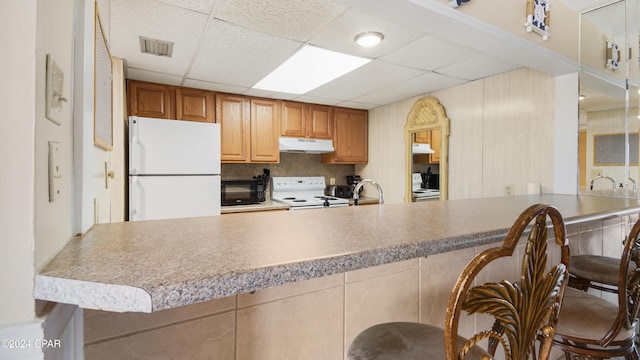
156	47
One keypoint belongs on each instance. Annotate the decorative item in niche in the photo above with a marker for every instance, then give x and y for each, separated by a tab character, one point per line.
613	56
538	17
456	3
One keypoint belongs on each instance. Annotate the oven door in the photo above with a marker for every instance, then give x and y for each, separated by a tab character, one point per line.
239	192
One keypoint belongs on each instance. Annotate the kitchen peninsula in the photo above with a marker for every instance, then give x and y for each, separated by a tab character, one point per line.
148	266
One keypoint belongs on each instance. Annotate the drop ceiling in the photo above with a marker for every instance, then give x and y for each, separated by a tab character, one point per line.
229	45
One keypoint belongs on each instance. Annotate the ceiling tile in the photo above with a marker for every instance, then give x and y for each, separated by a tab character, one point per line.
419	85
198	84
203	6
234	55
156	77
377	74
290	19
429	53
130	19
339	34
477	67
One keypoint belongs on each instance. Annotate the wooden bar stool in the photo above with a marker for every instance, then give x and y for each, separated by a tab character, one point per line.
525	312
592	327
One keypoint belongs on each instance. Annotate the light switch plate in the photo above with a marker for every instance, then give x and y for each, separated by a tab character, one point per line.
55	173
54	91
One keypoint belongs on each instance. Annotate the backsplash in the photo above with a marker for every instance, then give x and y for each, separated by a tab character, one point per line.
291	164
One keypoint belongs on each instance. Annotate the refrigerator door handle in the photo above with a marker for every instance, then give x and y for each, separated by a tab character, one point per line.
134	193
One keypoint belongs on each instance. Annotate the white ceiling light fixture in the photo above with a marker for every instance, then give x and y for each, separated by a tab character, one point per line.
309	68
368	39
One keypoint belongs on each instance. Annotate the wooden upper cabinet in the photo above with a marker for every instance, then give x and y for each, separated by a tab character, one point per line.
265	131
194	105
431	137
320	124
422	137
306	120
232	112
294	119
350	138
150	100
436	140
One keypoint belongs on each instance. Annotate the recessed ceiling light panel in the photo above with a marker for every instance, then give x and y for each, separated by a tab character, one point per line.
368	39
309	68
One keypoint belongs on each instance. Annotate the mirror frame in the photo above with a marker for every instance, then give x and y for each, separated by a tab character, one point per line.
427	114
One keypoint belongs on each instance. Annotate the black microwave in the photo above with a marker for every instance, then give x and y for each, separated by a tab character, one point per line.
242	192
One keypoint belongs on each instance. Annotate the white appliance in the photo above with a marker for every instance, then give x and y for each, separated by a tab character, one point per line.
174	169
420	194
304	145
306	192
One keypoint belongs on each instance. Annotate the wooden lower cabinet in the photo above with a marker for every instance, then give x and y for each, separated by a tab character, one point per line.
194	105
350	138
265	131
232	113
150	100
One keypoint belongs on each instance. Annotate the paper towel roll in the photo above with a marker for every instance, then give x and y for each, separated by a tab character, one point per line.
533	188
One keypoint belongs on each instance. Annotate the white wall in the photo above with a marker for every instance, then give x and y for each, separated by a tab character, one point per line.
17	137
34	228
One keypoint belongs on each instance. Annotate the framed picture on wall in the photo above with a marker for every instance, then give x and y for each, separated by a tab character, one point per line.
102	124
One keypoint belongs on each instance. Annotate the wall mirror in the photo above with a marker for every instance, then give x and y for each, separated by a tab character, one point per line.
426	137
609	126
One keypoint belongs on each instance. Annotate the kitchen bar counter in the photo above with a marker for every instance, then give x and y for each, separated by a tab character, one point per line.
148	266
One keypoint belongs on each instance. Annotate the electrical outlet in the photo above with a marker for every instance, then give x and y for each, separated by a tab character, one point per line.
508	189
596	172
332	181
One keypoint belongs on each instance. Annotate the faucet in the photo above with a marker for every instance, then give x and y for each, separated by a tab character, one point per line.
603	177
359	186
635	184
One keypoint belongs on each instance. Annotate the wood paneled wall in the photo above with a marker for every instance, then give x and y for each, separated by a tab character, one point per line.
502	132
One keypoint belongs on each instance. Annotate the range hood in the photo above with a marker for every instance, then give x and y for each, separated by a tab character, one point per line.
304	145
422	149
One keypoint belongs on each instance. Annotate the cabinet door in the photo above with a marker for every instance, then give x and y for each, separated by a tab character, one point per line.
232	112
350	138
436	139
265	131
194	105
422	137
294	119
150	100
320	122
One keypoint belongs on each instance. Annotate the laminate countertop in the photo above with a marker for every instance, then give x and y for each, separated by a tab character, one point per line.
147	266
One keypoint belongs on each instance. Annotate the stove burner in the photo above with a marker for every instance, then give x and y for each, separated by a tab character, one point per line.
289	198
298	200
325	197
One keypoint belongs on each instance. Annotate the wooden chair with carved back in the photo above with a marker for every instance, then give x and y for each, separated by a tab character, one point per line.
524	311
591	327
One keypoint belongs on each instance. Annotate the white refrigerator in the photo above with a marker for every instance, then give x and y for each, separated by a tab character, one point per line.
174	169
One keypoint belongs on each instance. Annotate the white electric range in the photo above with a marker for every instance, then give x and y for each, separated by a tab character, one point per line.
420	194
304	192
